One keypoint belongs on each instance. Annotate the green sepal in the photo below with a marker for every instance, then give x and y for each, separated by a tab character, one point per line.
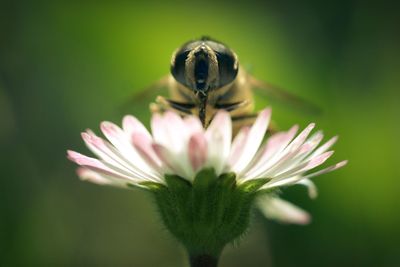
204	179
152	186
253	185
176	183
208	213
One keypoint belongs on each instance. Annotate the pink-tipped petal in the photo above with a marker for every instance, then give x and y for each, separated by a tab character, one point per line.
104	151
197	151
326	170
238	145
271	153
144	146
318	160
113	133
170	162
83	160
299	140
123	145
102	179
172	118
293	162
300	169
157	128
193	124
132	125
311	143
283	181
254	140
97	165
219	136
324	147
287	158
181	146
277	142
282	211
298	178
222	123
274	183
169	130
311	188
93	177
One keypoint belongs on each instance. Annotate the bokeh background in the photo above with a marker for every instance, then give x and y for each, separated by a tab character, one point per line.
66	66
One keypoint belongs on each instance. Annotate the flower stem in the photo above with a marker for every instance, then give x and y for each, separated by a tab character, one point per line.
203	261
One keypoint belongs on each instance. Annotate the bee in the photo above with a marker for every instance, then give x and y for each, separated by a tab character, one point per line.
205	77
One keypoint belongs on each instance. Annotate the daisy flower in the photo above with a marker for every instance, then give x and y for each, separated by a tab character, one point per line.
205	181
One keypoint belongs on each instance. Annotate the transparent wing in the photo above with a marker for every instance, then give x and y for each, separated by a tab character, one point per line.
146	95
275	93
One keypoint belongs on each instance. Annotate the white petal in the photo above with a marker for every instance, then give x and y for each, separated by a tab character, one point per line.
299	140
281	210
197	151
309	145
131	125
143	145
157	129
124	146
312	189
219	136
94	177
175	165
326	170
100	179
169	130
300	157
253	140
104	151
271	151
287	158
102	167
238	145
324	147
296	179
281	182
301	168
193	124
111	156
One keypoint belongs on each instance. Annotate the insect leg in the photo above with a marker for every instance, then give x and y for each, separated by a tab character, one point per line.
248	120
165	104
232	106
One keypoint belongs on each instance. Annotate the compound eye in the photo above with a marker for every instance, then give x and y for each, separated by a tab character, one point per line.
178	66
227	66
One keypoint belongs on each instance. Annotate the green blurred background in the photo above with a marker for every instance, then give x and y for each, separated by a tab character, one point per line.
66	66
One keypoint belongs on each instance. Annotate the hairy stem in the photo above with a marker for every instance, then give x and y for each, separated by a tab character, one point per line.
203	261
